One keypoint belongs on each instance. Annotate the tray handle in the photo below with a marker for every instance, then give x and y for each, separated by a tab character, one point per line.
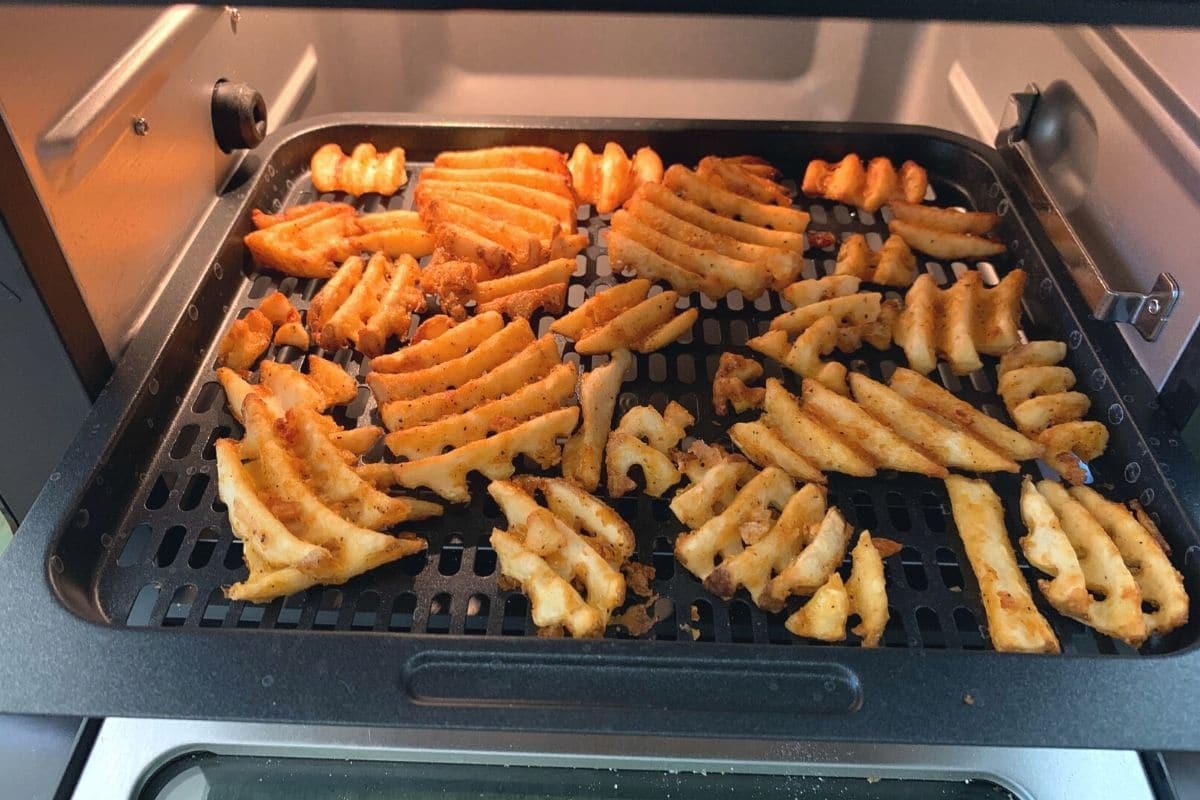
1146	312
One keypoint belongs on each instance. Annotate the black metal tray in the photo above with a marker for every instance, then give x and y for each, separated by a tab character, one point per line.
112	588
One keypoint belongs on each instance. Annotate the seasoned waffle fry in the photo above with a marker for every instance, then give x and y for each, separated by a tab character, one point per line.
620	319
558	206
542	159
1032	354
453	343
892	265
867	591
729	384
245	341
878	334
524	304
601	308
868	188
493	351
1014	623
553	600
810	439
714	477
643	437
825	615
814	290
698	550
431	328
931	397
285	319
765	447
1048	548
364	171
752	568
518	248
537	223
607	180
552	273
697	214
532	363
446	474
945	245
803	356
696	190
824	549
366	306
1118	610
536	179
537	398
602	528
743	178
853	309
944	219
1161	586
584	451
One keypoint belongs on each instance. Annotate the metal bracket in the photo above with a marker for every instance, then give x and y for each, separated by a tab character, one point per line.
1147	312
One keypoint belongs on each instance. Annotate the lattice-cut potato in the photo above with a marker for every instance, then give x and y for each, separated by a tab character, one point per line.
364	171
892	265
879	334
644	438
583	454
848	310
749	513
1014	623
623	317
1116	603
803	356
868	590
566	557
825	615
867	187
245	341
943	244
285	319
727	222
1142	550
448	344
366	305
714	479
765	446
1049	549
824	548
607	179
730	384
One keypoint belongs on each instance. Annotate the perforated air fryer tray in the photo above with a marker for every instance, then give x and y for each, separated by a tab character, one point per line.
134	544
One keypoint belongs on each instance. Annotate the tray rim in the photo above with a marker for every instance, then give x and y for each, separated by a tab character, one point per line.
1005	686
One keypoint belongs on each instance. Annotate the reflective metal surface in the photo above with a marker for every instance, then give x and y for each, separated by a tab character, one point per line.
128	751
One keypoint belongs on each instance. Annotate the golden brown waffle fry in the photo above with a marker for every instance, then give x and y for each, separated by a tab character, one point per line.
868	188
285	319
542	159
825	614
1048	548
808	443
744	178
945	245
1014	623
583	453
714	478
607	179
867	591
624	318
729	384
366	306
878	334
803	356
706	194
846	310
644	438
449	344
364	171
765	447
944	219
726	224
892	265
538	180
245	341
824	548
558	206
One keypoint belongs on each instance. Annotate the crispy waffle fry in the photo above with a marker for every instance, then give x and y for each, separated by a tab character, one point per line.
721	536
1037	395
959	323
1048	548
550	183
825	615
814	290
808	439
431	328
366	306
583	453
542	159
729	384
868	188
892	265
723	224
1117	611
537	223
945	245
878	334
364	171
774	552
803	356
764	446
698	191
867	591
745	178
285	319
1014	623
824	549
558	206
450	344
446	474
714	477
602	527
846	310
1161	586
620	319
643	437
554	601
606	180
944	219
245	341
601	308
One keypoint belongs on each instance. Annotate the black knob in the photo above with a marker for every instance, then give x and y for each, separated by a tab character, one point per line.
239	116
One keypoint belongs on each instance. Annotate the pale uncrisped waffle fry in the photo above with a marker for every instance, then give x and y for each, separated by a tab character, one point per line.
835	296
607	179
891	265
709	231
825	614
364	171
1038	396
869	187
644	437
959	323
867	589
623	317
803	356
309	241
1115	605
714	479
583	454
285	319
824	547
558	554
321	538
729	384
245	341
1049	549
367	306
1142	550
446	473
1014	623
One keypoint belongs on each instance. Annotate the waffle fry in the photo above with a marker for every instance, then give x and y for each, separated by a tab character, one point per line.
519	295
644	438
606	180
892	265
1117	612
742	175
797	442
433	327
878	334
824	549
1047	547
959	323
726	222
559	206
867	590
285	319
1014	623
364	171
320	539
446	474
803	356
944	219
869	187
577	544
541	181
367	306
766	447
847	308
950	243
309	241
449	344
714	479
542	159
1160	584
624	318
245	341
583	453
825	615
695	189
729	384
1038	396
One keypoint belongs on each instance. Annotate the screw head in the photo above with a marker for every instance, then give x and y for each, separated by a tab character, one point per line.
140	126
1153	306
